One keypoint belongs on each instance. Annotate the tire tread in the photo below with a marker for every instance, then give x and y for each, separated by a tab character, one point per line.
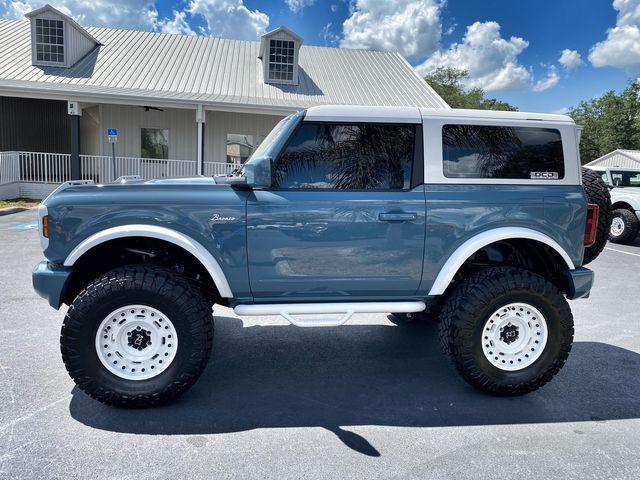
151	279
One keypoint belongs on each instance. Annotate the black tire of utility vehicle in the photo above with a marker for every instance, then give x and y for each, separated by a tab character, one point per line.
598	193
469	307
158	288
631	226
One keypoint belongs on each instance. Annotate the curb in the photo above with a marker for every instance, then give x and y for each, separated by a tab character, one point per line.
10	210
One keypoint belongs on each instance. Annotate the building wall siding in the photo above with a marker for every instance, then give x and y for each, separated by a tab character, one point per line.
34	125
90	131
129	120
9	191
36	191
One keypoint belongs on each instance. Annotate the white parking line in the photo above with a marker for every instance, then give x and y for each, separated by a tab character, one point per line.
622	251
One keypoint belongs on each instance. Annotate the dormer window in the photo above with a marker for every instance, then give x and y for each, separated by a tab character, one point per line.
56	39
49	40
281	60
279	51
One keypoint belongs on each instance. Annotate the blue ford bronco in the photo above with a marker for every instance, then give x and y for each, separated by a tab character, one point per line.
477	219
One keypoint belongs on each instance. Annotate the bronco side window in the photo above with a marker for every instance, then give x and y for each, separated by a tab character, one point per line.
482	151
346	157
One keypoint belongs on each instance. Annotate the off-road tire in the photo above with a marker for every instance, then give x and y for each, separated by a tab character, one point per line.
173	295
631	226
471	304
598	193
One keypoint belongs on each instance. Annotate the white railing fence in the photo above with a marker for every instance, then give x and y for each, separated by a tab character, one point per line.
9	167
217	168
103	169
55	167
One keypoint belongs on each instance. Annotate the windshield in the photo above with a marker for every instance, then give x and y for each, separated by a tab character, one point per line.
620	178
278	134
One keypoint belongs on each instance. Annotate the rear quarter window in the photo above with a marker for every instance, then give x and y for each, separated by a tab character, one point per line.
502	152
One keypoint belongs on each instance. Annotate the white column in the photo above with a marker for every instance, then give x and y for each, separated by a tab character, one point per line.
200	118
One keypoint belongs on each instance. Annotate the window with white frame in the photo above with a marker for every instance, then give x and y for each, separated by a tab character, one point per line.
281	60
49	40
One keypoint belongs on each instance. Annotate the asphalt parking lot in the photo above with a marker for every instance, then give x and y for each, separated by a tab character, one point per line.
371	399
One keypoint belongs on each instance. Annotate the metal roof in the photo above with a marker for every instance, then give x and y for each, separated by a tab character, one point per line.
146	67
618	158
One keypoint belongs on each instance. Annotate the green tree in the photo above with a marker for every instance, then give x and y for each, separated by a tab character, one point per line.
609	122
449	84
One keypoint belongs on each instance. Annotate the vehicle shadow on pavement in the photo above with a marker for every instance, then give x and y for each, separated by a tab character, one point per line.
394	375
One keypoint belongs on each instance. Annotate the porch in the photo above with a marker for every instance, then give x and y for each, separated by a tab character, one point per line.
66	140
36	174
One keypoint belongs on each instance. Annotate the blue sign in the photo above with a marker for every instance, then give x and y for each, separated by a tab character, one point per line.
112	132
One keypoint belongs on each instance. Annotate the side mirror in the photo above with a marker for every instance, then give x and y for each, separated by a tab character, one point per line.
258	172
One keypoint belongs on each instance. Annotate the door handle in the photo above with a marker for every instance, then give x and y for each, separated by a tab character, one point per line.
398	217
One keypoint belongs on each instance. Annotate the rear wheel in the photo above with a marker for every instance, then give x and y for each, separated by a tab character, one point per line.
507	331
137	337
597	193
624	226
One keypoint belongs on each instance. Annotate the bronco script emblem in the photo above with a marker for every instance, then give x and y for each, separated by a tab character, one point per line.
216	217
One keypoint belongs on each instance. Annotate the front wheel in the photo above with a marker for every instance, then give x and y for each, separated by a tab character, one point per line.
137	337
624	226
508	331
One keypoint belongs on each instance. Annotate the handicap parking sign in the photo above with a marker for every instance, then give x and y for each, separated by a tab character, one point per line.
112	132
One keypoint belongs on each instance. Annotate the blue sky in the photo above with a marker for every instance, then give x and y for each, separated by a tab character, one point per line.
539	55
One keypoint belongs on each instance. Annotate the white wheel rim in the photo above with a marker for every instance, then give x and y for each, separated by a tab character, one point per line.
514	336
136	342
617	226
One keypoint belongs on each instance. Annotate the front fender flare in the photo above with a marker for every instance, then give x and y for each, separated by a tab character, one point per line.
161	233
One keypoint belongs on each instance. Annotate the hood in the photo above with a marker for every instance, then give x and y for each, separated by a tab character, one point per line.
137	180
134	190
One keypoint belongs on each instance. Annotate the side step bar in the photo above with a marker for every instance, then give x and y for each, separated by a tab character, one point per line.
288	310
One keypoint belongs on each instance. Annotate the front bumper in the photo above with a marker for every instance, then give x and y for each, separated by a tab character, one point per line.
49	281
579	282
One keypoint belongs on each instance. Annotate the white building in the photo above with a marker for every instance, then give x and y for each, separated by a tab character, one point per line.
190	98
618	158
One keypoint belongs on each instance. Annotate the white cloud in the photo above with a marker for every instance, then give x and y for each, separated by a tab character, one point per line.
297	5
492	61
621	48
560	111
411	27
334	7
551	80
328	36
570	59
224	18
179	24
230	18
141	14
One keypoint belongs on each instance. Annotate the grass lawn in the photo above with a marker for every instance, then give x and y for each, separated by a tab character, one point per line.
19	202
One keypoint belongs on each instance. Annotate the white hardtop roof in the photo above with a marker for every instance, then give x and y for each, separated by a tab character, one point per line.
334	113
355	113
494	114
